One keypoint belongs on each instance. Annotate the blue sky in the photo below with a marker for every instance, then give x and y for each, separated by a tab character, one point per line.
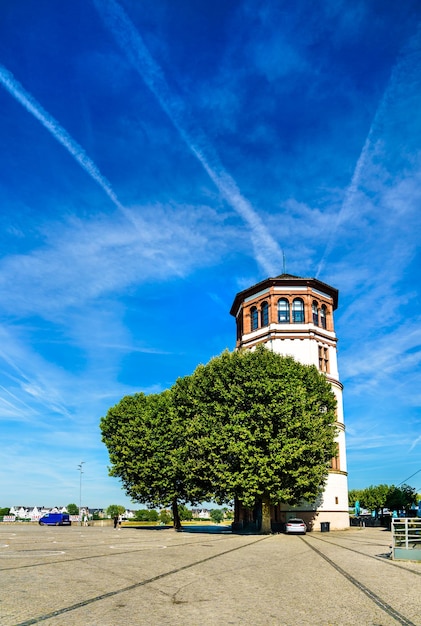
159	157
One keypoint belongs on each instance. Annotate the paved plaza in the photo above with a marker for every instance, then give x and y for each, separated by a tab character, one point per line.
101	576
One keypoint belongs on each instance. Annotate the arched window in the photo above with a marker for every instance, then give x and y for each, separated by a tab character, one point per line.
265	314
315	313
323	316
298	311
283	311
254	318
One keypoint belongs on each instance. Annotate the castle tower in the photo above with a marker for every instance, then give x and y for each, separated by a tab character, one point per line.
294	316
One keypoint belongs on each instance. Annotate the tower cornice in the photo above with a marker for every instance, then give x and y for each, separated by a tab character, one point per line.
284	280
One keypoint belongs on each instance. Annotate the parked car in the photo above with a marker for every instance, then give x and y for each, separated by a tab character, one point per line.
55	519
295	525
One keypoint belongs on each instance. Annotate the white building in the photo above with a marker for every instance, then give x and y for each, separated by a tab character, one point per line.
294	316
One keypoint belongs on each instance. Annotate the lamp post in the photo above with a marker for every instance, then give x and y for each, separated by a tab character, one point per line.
80	468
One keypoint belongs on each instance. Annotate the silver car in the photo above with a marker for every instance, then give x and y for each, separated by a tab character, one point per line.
295	525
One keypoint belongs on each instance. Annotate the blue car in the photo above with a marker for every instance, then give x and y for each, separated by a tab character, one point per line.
55	519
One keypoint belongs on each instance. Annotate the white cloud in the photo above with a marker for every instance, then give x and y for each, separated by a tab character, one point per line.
82	261
372	184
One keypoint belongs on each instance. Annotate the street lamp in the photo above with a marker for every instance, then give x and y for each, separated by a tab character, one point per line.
80	468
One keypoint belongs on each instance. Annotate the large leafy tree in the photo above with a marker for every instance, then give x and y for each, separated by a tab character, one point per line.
355	495
217	515
401	498
115	509
375	497
250	425
264	428
146	445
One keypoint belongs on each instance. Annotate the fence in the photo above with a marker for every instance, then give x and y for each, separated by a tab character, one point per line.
406	539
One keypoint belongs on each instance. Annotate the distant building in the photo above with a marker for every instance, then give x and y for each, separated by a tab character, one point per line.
294	316
200	513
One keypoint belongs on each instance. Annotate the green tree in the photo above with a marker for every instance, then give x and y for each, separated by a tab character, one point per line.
153	515
228	513
146	515
217	515
264	429
142	515
164	517
146	443
72	509
374	497
401	498
409	497
378	497
354	495
248	425
115	509
185	513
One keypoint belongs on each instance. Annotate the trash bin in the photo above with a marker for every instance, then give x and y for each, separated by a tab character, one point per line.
324	527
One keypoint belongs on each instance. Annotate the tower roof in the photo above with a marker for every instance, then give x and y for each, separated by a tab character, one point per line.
286	280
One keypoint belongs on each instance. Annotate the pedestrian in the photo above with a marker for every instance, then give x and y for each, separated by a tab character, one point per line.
119	522
115	521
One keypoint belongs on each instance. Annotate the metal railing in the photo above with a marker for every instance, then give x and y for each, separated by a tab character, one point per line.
406	538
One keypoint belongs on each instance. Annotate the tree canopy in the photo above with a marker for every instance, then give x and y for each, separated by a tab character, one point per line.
251	425
115	509
378	497
217	515
264	428
147	446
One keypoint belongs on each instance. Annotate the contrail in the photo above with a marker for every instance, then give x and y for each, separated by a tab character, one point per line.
369	148
350	193
267	252
27	383
13	86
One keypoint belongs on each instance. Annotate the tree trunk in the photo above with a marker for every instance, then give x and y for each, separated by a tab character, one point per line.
266	525
176	517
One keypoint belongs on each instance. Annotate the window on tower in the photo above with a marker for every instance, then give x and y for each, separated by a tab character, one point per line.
315	312
240	325
335	463
254	318
265	314
323	316
324	359
283	310
298	311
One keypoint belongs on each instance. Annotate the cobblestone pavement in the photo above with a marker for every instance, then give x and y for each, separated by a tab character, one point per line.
106	577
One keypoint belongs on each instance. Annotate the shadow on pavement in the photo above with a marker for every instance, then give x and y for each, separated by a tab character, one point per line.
205	529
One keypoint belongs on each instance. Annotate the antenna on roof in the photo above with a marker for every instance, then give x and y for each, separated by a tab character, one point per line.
283	263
